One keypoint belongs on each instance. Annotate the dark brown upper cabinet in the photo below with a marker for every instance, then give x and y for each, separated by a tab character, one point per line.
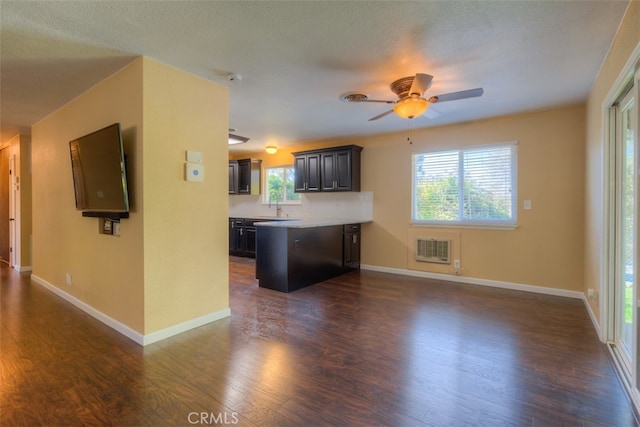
244	176
329	169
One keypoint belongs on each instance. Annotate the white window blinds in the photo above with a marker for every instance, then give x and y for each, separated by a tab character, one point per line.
473	185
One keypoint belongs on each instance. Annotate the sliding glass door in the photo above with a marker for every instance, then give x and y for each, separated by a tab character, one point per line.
626	268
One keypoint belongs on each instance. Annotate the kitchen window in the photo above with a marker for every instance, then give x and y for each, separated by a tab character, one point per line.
279	186
473	186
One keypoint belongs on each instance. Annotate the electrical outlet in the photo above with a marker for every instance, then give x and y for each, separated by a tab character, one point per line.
69	279
456	263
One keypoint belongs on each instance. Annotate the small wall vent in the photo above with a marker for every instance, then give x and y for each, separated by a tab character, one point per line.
433	250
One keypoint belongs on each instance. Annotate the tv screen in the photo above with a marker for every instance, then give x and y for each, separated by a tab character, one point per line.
99	173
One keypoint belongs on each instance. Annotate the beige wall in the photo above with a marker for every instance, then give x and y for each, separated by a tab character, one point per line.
627	39
546	248
107	271
185	224
133	278
25	186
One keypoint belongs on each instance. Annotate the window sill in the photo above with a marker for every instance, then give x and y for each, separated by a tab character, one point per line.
481	226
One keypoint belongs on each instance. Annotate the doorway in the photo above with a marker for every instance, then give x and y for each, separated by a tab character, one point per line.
5	241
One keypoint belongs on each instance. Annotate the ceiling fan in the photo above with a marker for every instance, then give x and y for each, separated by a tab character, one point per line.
411	101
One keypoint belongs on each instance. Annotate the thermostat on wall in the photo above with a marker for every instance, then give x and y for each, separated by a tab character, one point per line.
194	172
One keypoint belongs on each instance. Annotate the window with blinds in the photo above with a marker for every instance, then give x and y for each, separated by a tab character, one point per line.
467	186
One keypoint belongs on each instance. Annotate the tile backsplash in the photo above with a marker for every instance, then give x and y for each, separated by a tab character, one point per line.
347	205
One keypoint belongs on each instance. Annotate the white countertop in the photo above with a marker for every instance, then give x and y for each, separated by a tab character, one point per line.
307	223
263	217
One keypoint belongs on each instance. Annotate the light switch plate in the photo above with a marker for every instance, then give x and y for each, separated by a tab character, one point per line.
194	156
194	172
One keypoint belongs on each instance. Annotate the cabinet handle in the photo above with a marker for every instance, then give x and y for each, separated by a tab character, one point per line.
241	230
296	243
355	238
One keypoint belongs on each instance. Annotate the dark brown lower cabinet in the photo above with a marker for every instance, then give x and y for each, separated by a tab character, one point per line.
291	258
242	237
351	247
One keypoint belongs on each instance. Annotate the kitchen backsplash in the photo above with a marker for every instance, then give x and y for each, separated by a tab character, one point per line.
348	205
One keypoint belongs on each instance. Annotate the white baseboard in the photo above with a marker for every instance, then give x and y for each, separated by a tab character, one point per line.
185	326
23	269
594	319
475	281
109	321
126	330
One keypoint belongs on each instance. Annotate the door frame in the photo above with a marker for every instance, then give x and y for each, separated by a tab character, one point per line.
6	147
12	209
616	278
630	73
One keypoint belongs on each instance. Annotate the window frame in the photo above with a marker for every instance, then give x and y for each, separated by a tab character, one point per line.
508	224
266	199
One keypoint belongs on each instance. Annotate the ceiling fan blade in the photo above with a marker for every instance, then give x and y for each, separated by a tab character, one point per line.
379	116
431	113
421	82
361	97
471	93
375	100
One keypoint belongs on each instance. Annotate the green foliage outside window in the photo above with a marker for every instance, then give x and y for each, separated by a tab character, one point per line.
439	200
472	185
280	185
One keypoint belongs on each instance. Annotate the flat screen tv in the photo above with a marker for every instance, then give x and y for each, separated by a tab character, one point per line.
99	174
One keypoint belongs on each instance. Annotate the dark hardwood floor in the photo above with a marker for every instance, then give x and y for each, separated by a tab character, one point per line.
363	349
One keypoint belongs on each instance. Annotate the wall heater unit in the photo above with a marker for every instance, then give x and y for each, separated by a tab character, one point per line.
433	250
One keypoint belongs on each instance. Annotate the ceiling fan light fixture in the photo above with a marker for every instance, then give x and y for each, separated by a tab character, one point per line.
411	107
271	149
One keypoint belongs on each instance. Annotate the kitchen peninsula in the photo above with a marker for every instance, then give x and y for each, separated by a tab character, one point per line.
295	254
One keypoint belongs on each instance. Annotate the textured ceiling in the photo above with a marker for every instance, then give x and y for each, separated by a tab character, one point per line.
297	57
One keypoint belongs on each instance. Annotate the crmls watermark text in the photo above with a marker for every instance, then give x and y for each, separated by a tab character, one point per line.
213	418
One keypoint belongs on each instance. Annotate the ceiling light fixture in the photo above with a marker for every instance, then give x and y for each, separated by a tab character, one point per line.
411	107
271	149
237	139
